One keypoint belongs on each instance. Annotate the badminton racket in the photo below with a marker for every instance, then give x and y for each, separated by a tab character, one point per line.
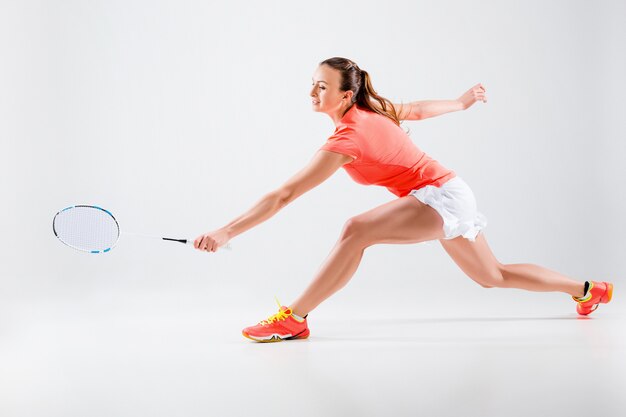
95	230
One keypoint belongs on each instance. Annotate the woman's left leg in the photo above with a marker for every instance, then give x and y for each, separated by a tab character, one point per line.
480	264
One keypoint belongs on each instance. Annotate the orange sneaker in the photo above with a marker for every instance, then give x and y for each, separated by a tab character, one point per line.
281	326
598	293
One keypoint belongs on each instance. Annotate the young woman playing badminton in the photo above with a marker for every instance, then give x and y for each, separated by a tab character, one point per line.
433	202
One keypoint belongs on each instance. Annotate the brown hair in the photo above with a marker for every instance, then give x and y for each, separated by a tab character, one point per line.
357	80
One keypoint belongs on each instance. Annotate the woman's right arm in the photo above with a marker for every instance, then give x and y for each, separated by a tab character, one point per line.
320	168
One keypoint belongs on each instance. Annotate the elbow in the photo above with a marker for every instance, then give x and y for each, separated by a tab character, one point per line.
418	115
417	112
281	198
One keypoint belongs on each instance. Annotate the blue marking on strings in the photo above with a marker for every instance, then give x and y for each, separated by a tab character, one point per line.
106	250
95	251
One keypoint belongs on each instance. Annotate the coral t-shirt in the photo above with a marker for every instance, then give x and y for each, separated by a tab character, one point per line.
384	154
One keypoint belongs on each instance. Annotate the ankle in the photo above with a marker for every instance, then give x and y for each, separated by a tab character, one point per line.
581	290
298	313
295	309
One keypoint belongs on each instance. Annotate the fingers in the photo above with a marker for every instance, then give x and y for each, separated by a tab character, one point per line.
201	242
208	244
205	243
479	92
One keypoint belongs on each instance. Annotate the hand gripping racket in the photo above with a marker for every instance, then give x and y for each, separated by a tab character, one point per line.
93	229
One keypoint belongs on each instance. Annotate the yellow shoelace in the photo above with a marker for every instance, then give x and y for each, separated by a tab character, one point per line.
281	315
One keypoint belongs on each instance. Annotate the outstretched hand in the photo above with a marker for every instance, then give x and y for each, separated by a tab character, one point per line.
472	95
211	241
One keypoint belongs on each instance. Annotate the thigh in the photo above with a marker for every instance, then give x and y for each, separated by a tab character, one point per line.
404	220
474	258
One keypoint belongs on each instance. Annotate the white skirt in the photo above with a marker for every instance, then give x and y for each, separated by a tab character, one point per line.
456	204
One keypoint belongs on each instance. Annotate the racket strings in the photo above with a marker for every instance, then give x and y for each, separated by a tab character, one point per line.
86	228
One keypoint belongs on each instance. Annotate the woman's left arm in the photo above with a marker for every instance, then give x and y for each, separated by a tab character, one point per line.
418	110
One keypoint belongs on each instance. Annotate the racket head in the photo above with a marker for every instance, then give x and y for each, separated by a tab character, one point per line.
86	228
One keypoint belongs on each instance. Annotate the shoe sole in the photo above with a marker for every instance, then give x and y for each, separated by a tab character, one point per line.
277	338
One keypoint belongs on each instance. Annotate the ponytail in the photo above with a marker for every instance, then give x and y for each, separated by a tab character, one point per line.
367	93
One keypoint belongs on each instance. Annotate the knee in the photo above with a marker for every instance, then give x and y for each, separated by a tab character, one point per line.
493	278
354	228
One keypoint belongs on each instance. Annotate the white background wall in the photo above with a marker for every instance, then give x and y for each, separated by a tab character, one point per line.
178	115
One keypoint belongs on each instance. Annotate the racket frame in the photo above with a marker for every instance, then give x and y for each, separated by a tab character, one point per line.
87	250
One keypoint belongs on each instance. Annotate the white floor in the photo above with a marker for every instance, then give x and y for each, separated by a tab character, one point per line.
143	360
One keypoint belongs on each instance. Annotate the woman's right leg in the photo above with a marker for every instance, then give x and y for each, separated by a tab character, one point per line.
404	220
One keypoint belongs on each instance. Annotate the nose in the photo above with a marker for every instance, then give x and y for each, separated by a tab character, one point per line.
313	92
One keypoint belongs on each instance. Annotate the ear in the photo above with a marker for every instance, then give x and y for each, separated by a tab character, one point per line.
348	95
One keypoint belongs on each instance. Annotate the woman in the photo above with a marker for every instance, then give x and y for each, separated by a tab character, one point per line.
433	202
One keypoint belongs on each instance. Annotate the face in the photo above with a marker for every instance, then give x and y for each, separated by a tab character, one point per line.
326	95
